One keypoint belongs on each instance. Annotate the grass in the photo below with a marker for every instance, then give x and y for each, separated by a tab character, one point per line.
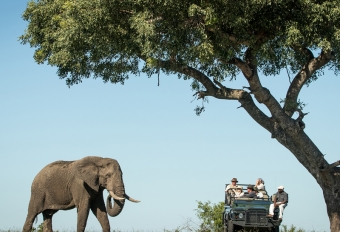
185	228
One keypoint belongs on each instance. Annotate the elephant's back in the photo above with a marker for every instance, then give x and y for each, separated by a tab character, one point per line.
55	173
52	184
59	164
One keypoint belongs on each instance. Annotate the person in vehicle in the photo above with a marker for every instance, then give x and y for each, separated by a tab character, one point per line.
259	184
232	186
258	194
251	192
281	201
239	192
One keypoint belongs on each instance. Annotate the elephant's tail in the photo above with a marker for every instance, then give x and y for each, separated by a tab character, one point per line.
36	219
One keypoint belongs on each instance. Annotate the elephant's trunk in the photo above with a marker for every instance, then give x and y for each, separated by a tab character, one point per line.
118	202
117	207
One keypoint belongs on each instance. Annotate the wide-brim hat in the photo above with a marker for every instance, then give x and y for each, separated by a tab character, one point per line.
280	187
234	179
250	187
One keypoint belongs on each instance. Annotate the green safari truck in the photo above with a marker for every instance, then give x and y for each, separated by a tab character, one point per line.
249	214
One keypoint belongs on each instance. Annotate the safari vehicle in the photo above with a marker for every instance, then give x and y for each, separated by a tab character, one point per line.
249	214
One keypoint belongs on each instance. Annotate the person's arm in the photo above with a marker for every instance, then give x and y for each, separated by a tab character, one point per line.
275	200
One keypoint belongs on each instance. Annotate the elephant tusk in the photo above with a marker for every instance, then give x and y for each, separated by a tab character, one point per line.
131	199
114	196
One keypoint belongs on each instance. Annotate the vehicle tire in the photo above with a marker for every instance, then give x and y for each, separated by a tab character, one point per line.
275	229
230	226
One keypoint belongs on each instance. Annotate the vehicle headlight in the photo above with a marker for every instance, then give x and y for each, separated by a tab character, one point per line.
240	215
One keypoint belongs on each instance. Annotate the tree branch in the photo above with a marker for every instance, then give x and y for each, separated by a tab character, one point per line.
247	103
299	121
333	165
173	65
304	75
262	119
262	95
330	166
222	92
245	69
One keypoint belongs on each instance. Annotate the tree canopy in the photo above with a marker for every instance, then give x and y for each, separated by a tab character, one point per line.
109	38
207	42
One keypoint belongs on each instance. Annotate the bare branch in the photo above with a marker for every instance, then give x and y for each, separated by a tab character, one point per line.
333	165
299	121
201	94
245	87
262	94
173	65
304	74
288	75
220	92
301	114
243	66
218	84
262	119
330	166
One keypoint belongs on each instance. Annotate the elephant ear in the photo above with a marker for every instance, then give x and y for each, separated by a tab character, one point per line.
87	170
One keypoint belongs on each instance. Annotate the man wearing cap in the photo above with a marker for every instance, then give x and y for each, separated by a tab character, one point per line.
281	201
233	185
251	192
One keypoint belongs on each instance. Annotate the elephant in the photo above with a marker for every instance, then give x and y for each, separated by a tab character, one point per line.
64	185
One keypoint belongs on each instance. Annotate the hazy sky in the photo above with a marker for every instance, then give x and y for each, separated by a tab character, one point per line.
170	157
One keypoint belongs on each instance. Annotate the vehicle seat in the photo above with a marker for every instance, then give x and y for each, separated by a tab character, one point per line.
265	194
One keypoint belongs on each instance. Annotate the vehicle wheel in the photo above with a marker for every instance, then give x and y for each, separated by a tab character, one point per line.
230	226
275	229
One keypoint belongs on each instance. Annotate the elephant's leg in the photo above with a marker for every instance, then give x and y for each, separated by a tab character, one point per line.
83	213
29	222
34	208
47	214
99	210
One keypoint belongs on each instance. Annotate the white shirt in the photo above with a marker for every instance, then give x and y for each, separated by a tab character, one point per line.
260	186
239	194
231	186
259	195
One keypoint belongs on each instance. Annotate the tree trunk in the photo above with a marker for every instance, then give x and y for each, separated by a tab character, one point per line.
326	175
332	200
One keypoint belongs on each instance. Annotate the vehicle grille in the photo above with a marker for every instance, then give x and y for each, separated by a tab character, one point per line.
257	218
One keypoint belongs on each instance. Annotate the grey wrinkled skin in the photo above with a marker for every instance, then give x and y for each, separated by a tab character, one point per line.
64	185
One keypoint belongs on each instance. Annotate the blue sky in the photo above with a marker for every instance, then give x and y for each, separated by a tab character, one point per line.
170	157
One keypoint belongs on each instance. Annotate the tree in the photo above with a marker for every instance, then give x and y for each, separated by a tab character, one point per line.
210	216
206	42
